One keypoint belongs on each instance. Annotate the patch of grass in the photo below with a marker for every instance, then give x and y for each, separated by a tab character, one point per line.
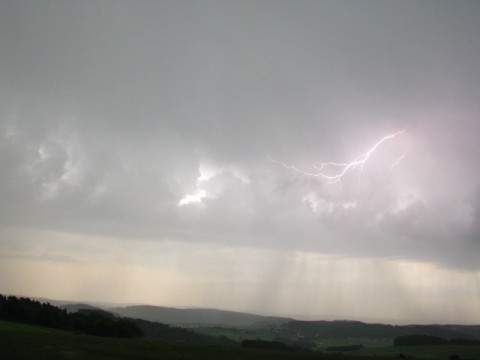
237	333
366	342
14	326
437	352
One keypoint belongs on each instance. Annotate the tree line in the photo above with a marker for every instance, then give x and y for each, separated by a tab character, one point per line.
92	322
419	340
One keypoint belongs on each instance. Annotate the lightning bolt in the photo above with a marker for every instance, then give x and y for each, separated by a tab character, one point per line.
321	170
397	162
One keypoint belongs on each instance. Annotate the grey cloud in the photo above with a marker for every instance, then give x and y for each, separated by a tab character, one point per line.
110	110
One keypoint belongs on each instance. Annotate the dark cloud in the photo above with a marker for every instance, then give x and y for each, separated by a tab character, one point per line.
113	113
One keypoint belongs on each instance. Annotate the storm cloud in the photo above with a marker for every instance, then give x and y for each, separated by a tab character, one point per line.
187	123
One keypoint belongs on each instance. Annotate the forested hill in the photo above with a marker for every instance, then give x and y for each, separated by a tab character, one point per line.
87	319
281	328
92	322
175	316
311	330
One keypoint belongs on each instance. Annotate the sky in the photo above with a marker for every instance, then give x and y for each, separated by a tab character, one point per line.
316	159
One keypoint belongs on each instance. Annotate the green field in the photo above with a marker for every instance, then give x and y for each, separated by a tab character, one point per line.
13	326
22	341
385	349
372	347
19	341
238	333
440	352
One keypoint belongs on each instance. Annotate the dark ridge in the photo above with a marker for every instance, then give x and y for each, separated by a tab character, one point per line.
196	316
92	322
311	330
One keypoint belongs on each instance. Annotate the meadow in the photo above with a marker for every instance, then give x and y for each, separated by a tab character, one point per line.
23	341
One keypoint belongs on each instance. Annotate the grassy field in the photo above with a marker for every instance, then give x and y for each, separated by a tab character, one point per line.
18	341
372	347
366	342
21	341
438	352
385	349
238	333
13	326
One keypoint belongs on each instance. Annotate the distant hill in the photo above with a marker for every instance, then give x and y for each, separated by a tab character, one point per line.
153	330
86	319
76	307
176	316
166	333
313	330
472	330
62	303
286	327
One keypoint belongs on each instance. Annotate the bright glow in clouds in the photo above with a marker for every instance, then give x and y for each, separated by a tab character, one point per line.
193	198
322	169
209	172
206	173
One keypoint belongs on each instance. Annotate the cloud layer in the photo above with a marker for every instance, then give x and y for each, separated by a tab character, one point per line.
189	122
112	116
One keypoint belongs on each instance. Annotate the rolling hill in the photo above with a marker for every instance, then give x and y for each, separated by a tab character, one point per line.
176	316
